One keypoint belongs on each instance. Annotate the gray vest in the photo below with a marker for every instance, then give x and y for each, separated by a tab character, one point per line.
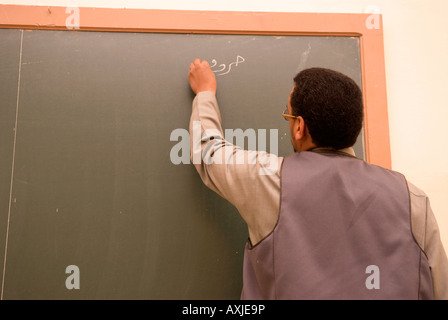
344	232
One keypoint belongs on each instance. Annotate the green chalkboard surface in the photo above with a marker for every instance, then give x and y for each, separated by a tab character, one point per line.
86	178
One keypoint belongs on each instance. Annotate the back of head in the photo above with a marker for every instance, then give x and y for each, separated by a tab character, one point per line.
331	105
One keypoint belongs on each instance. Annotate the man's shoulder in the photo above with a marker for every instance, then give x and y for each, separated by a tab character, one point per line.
414	190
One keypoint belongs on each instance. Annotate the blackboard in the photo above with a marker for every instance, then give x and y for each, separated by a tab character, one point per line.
86	177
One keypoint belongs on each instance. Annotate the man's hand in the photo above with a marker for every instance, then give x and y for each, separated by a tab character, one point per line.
201	77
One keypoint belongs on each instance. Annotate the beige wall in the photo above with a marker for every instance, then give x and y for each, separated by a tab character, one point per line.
416	51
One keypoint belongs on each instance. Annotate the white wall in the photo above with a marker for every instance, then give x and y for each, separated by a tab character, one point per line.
416	51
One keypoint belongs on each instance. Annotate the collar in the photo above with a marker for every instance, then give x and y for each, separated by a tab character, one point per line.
348	152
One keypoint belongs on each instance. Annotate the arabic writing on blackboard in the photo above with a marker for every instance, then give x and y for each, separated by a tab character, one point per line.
225	69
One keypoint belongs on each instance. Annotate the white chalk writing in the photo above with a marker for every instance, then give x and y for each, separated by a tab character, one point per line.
223	69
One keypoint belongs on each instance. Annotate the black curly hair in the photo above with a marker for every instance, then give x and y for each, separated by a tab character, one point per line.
331	105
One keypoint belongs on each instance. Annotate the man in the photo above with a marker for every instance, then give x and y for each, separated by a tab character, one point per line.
324	224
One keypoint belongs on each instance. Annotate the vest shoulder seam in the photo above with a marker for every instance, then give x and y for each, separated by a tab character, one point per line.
253	246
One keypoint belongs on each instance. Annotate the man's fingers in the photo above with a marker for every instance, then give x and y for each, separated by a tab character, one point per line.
198	63
195	64
205	63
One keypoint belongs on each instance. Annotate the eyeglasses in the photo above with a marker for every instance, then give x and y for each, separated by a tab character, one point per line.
287	116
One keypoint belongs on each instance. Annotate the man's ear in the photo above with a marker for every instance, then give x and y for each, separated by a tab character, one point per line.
299	128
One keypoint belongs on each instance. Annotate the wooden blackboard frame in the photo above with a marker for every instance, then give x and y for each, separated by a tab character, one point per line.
368	27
